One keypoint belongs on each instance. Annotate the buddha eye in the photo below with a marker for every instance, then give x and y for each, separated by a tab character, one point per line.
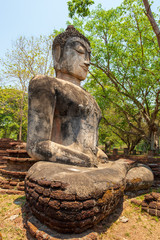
80	49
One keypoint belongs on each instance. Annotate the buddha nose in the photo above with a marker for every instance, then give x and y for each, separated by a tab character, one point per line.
87	62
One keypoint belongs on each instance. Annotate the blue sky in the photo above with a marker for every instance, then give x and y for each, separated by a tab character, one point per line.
36	17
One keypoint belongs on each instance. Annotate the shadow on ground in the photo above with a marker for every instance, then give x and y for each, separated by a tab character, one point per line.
105	224
21	201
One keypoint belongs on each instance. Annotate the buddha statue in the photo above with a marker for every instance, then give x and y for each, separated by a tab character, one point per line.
63	118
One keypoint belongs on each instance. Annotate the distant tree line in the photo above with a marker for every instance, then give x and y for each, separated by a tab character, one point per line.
13	113
27	58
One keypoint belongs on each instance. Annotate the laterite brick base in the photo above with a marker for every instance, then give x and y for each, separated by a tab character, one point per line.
72	199
41	232
69	213
151	204
4	145
17	163
11	183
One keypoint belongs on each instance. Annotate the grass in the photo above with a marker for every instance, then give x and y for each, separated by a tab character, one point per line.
157	190
155	218
127	234
139	226
12	229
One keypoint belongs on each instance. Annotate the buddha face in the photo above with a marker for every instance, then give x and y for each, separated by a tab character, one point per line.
75	59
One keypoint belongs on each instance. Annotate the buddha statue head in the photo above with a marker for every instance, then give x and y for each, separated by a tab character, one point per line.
71	55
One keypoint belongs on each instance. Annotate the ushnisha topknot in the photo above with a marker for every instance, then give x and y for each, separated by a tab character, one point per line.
64	36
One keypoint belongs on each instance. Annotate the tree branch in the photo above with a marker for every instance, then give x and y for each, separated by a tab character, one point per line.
152	20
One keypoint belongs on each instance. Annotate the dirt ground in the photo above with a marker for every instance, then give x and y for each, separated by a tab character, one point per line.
11	220
140	225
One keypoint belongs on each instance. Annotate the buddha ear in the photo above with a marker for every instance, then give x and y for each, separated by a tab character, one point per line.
57	53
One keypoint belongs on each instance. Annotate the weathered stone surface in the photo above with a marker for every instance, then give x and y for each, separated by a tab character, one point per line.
40	231
75	193
73	130
6	172
63	118
158	213
20	188
47	192
151	204
152	162
89	203
35	195
158	205
145	204
148	198
10	191
13	183
156	196
54	204
38	188
56	185
82	181
136	202
72	205
17	163
138	178
89	195
152	212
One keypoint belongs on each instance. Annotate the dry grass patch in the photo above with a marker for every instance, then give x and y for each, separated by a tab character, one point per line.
140	225
11	221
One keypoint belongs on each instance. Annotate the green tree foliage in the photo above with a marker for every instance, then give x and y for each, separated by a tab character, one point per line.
80	7
108	138
151	18
10	116
27	58
124	77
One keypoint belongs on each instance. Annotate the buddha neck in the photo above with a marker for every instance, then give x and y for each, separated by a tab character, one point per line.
68	77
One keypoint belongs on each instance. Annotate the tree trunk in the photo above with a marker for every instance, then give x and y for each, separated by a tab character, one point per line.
155	141
20	129
152	20
134	144
106	147
21	116
5	134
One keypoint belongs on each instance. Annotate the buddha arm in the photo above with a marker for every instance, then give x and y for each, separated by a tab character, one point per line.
42	102
40	143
